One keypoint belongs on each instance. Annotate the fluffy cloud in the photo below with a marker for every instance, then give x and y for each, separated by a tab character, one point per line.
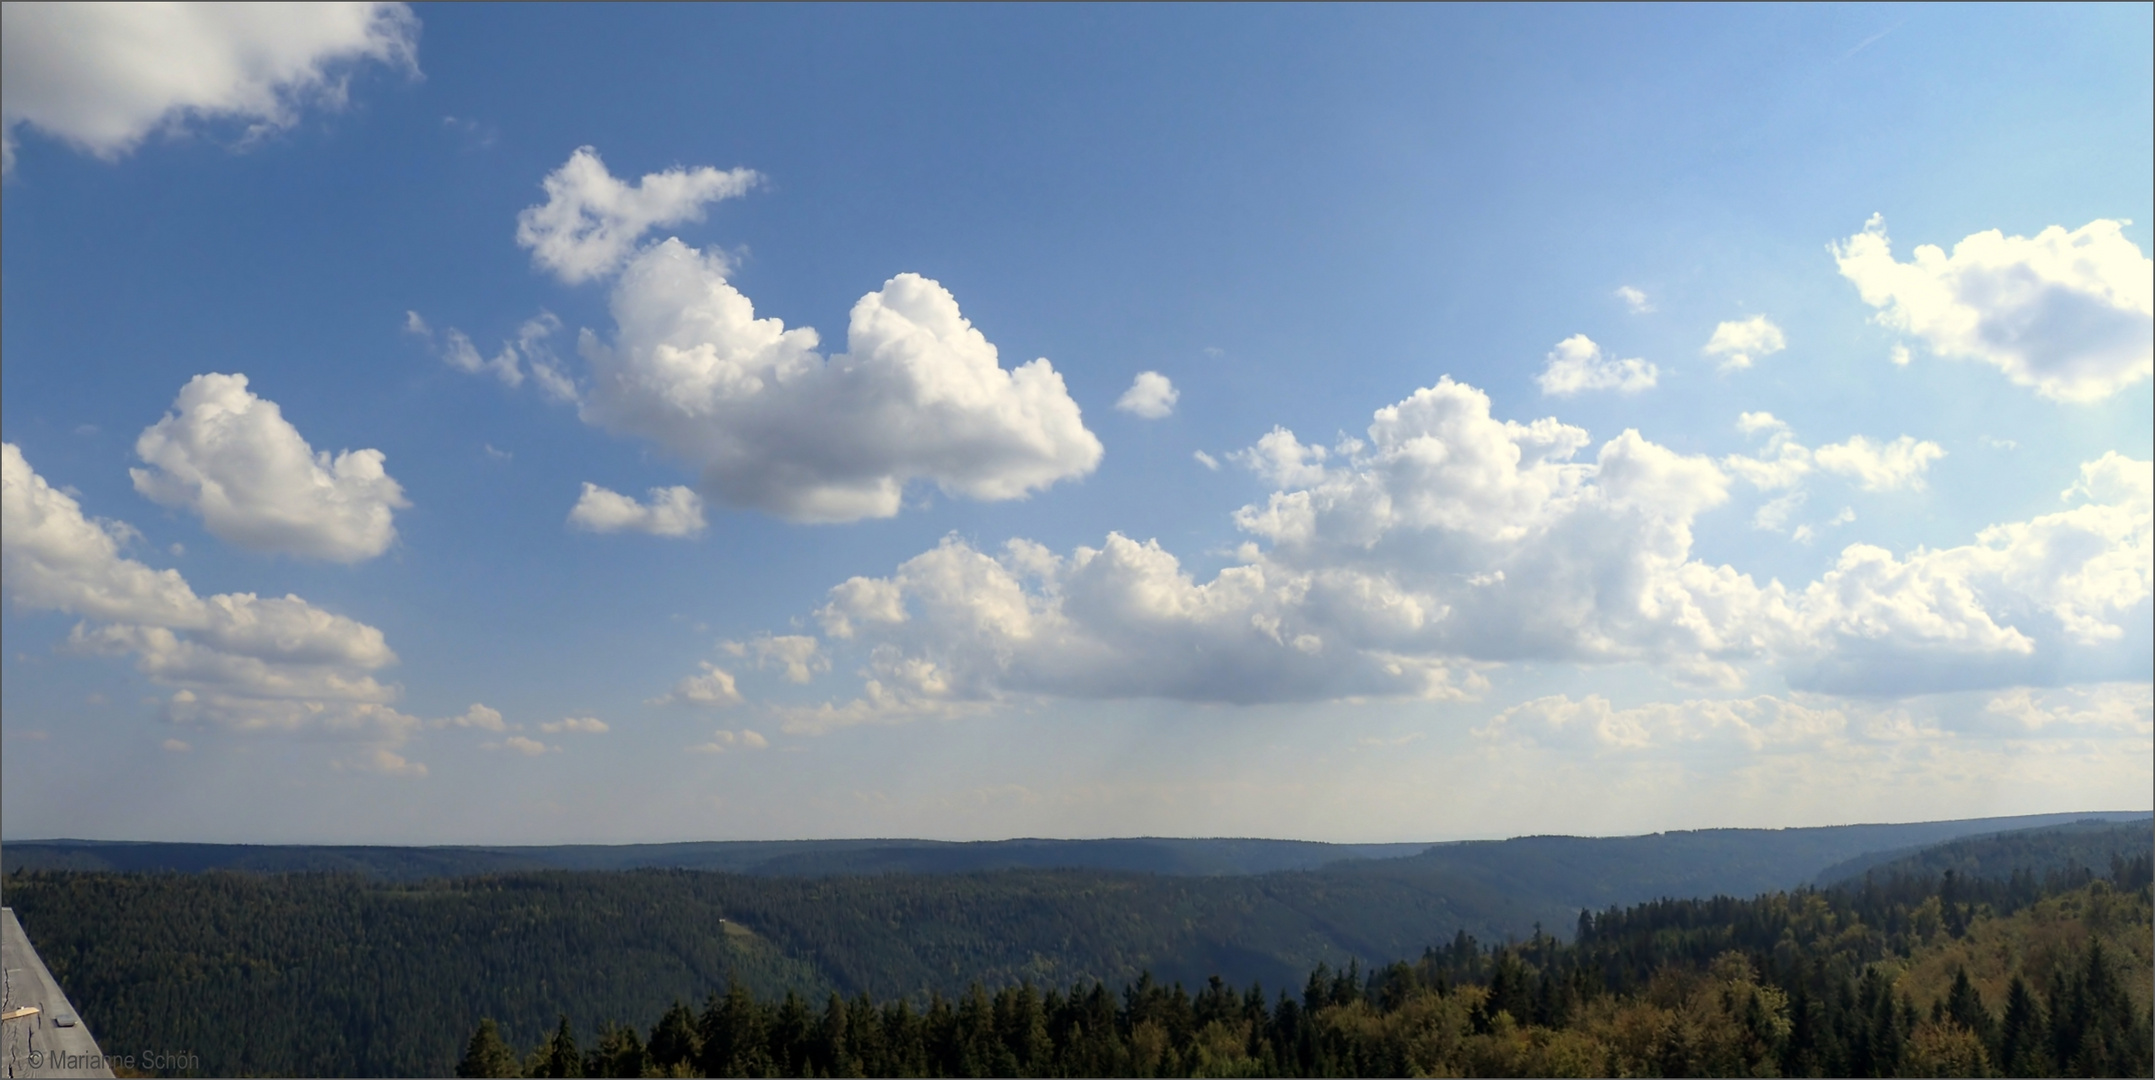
1151	396
1807	725
672	511
104	76
59	560
1513	549
768	421
1783	464
1593	723
236	660
1880	466
799	656
771	424
518	744
1447	540
714	689
381	759
2071	314
1403	564
1635	299
723	741
2011	607
2112	708
1740	343
232	459
590	222
956	625
1578	364
478	716
581	725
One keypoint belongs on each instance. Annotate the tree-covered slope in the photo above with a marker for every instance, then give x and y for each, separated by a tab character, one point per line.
351	973
327	975
1587	870
2047	978
170	956
2090	843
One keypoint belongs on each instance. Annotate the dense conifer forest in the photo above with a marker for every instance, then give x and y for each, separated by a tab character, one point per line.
1907	970
1908	976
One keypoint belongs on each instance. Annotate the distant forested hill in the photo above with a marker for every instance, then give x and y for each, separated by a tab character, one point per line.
774	858
2001	855
1737	861
329	973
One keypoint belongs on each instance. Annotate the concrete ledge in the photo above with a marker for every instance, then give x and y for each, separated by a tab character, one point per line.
43	1035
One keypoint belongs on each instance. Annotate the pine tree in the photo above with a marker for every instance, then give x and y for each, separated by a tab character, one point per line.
2112	1042
488	1054
2022	1039
557	1056
619	1053
731	1032
673	1040
1964	1006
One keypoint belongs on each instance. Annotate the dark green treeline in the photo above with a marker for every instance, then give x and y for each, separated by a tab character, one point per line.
1800	984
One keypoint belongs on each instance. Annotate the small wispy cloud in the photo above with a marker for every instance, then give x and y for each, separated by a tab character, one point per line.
723	741
1873	39
582	725
1740	342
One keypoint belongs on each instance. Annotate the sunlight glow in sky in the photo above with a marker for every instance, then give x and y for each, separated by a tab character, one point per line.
570	424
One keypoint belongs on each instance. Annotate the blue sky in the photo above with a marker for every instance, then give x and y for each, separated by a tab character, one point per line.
1552	424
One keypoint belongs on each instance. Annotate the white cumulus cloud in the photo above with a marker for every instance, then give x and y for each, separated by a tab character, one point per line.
1742	342
771	424
671	511
2070	314
1593	723
102	77
236	660
2023	597
799	656
1151	396
232	459
714	689
518	744
1880	466
591	221
478	716
1783	464
383	760
581	725
1578	364
1635	299
723	741
1447	540
1405	564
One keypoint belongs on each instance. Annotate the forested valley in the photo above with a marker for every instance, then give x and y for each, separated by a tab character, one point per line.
1908	976
2006	953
